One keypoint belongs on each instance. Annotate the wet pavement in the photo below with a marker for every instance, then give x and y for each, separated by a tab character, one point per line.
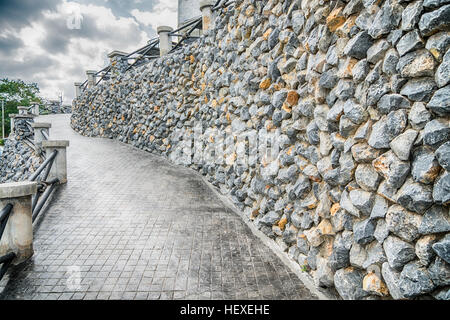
130	225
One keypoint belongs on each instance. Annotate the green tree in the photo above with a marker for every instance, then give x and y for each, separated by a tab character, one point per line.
17	93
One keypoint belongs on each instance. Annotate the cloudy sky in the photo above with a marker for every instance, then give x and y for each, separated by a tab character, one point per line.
53	42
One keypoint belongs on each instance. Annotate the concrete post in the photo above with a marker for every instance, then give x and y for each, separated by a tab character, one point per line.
18	234
165	41
91	78
36	109
77	89
39	128
207	14
22	109
59	167
118	61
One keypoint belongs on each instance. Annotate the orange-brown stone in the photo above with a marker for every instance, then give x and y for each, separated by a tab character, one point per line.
265	84
292	98
335	19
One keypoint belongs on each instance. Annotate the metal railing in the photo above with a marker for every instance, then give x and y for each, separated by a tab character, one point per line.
141	55
44	188
5	260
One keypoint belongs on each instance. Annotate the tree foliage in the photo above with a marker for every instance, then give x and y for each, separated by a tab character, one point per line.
17	93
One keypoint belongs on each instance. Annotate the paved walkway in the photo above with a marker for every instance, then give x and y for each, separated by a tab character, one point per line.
129	225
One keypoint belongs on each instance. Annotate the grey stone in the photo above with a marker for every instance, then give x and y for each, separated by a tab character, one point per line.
438	44
398	252
323	277
443	155
354	111
442	248
360	70
348	283
379	208
435	220
441	188
392	102
367	177
269	219
434	3
425	167
439	272
392	169
415	196
440	101
419	89
362	200
411	15
415	280
386	19
442	294
392	277
403	223
300	189
402	144
436	132
435	20
442	76
377	50
419	116
340	256
409	42
358	255
424	250
302	244
328	79
363	231
390	62
419	63
375	255
379	139
381	231
357	46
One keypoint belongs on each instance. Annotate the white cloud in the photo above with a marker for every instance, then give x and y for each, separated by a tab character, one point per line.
164	13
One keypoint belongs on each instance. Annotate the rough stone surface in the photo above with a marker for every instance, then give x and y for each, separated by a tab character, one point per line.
398	252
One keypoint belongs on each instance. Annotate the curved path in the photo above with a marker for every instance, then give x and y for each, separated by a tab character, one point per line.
130	225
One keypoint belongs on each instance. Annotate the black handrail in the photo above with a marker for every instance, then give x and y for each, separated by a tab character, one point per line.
4	215
43	165
52	184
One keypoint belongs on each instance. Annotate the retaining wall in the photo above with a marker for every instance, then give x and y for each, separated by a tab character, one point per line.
355	95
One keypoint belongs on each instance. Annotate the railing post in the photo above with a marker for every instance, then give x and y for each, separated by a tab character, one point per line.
165	40
59	167
36	109
207	14
40	128
22	110
77	89
91	78
118	62
18	234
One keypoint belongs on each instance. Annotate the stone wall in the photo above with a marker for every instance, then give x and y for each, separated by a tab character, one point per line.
19	159
357	95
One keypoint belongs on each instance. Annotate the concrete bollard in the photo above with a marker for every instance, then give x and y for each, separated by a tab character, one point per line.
207	14
35	109
39	129
22	110
77	89
118	61
91	78
59	167
165	40
18	234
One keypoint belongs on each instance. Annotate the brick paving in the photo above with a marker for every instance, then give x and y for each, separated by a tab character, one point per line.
130	225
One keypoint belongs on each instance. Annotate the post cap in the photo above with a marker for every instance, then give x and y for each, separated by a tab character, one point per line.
77	84
23	116
41	125
17	189
88	72
206	3
115	53
164	29
55	143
